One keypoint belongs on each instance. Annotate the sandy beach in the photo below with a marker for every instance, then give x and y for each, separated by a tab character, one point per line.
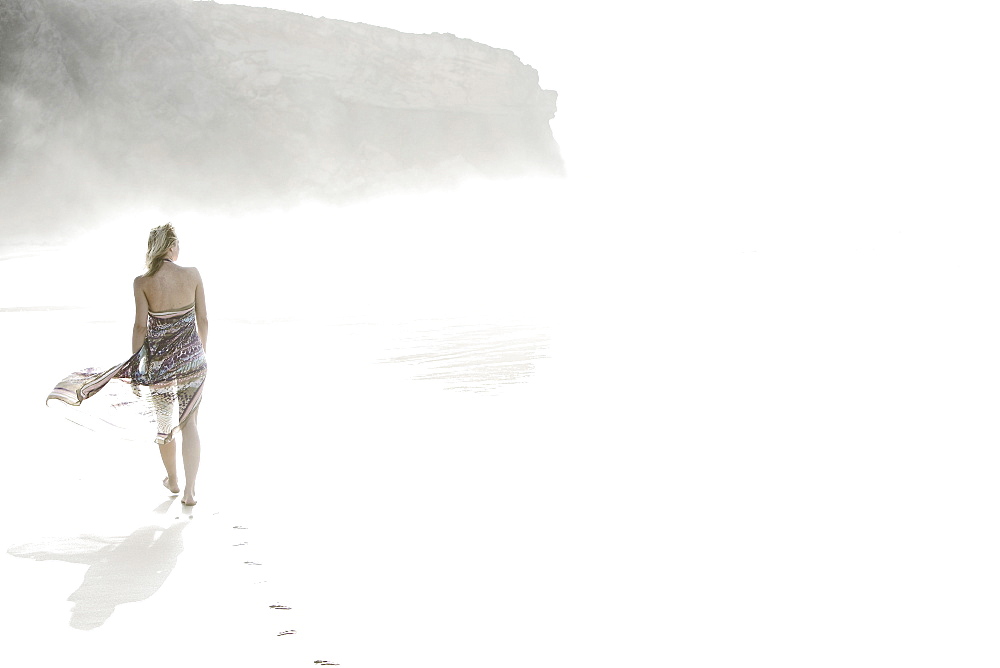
687	459
416	520
419	481
738	444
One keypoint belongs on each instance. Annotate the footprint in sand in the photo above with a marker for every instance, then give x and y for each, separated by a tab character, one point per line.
276	606
325	663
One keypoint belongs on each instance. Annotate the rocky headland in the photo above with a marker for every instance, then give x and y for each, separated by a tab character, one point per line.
175	103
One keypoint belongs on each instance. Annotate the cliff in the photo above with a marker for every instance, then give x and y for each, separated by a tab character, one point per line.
180	103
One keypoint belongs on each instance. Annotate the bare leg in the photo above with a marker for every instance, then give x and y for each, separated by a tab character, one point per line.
168	450
168	453
191	452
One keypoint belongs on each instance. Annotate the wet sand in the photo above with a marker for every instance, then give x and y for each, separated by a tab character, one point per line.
752	444
403	464
412	498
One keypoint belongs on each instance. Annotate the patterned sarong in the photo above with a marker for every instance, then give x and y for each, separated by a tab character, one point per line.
162	382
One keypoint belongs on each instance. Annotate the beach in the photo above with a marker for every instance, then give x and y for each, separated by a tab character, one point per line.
521	447
369	509
754	456
406	469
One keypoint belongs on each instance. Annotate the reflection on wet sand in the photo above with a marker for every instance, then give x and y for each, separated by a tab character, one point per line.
474	358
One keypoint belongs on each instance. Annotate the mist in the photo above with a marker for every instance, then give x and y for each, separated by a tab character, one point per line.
111	106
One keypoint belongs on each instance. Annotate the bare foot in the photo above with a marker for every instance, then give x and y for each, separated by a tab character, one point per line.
173	487
188	499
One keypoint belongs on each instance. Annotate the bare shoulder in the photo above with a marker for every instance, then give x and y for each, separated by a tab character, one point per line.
193	273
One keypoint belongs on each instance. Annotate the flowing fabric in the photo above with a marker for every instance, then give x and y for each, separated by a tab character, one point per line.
161	383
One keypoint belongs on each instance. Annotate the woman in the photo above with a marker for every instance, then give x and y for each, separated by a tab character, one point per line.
164	377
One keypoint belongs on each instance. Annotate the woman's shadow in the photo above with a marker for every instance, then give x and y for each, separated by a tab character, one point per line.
123	569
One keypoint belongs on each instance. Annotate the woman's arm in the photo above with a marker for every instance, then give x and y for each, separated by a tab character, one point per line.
141	313
201	311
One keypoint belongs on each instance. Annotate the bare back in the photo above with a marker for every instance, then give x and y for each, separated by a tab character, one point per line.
170	288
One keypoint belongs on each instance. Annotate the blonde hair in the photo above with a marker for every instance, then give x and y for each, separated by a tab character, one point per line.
160	240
